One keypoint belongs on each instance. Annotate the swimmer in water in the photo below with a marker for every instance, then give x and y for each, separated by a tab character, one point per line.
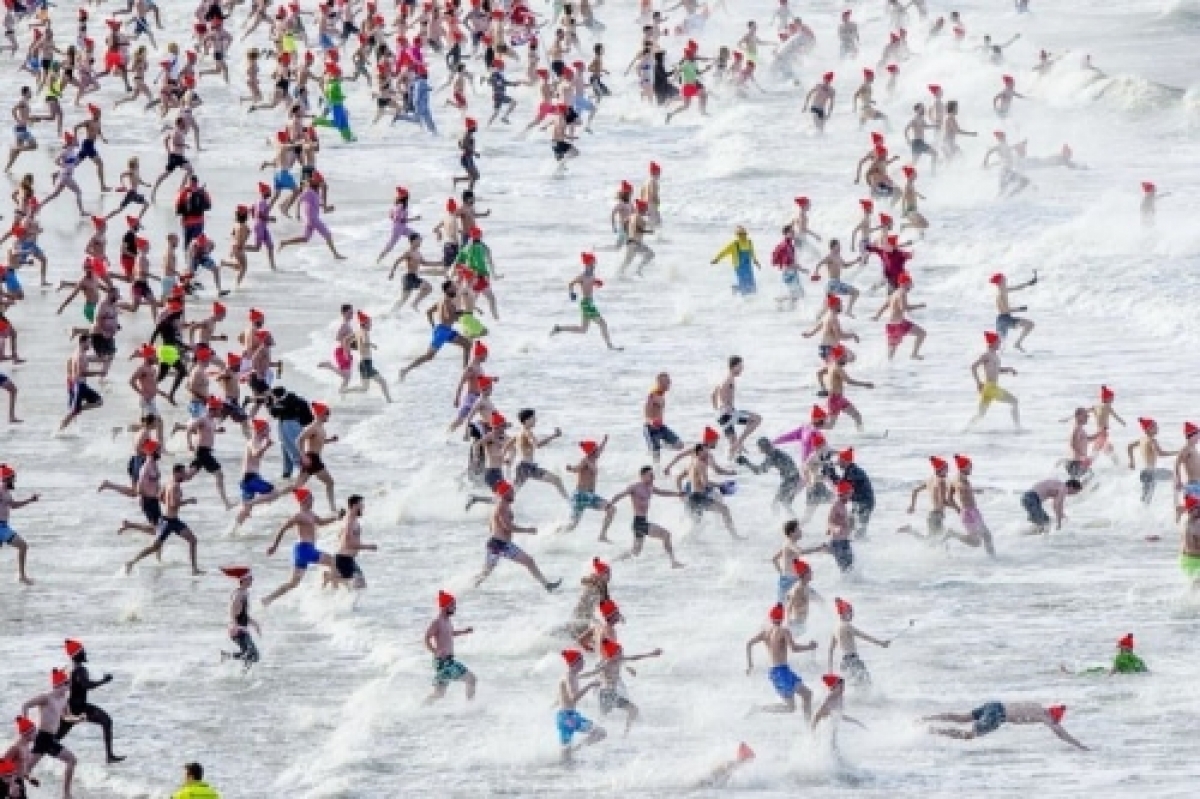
989	717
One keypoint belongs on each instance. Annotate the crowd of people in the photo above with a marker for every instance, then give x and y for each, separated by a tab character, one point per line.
207	380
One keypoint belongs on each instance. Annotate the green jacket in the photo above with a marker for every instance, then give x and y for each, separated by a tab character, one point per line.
197	790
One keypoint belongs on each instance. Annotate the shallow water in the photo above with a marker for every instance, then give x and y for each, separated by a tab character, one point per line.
334	709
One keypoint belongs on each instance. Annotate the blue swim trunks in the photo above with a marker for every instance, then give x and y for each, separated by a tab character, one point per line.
786	581
7	534
569	722
254	486
838	287
988	718
784	680
284	180
11	283
1191	490
305	554
442	335
196	408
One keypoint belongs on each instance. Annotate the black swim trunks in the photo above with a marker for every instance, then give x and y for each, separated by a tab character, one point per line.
204	460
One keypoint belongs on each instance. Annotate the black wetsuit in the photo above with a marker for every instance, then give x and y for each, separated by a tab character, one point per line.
78	705
167	330
247	651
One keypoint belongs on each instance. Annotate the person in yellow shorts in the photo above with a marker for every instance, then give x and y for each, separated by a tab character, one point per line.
989	387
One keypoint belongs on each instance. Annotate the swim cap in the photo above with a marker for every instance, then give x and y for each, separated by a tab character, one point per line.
1126	642
59	678
711	436
1057	712
817	414
845	488
445	600
497	420
610	649
996	279
503	488
842	606
609	608
600	567
1107	394
25	726
744	752
962	462
1147	424
1148	187
319	408
572	656
776	614
363	319
831	681
73	647
1190	430
992	338
846	455
236	572
588	258
479	351
938	464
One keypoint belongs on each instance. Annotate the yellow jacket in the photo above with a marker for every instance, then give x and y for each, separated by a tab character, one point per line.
738	251
197	789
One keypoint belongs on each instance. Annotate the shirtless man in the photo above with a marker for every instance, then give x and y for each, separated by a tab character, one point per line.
989	387
1056	491
350	543
568	720
52	711
469	383
1187	463
586	472
654	410
819	101
779	642
640	494
81	396
586	282
1079	465
172	501
898	325
415	265
939	499
701	495
835	264
846	635
914	134
1189	540
1102	413
361	342
837	380
311	442
240	621
613	658
1150	450
832	706
147	488
175	143
1002	102
439	641
502	527
8	482
446	312
863	102
493	445
799	597
201	437
304	551
987	718
832	335
252	484
526	444
963	494
728	416
1005	321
